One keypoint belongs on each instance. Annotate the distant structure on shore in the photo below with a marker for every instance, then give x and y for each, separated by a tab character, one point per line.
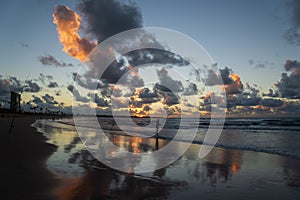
15	102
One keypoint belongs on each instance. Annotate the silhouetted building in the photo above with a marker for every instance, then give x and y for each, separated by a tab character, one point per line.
15	101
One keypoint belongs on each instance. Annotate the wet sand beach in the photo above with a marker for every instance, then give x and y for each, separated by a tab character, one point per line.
34	169
223	174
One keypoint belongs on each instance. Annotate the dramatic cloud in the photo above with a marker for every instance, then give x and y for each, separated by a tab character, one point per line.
108	17
103	19
218	79
289	85
68	24
50	60
230	82
293	33
121	72
139	104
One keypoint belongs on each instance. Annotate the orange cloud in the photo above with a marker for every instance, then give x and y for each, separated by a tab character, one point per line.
68	23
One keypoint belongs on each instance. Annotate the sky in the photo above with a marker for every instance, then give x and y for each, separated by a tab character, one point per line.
256	40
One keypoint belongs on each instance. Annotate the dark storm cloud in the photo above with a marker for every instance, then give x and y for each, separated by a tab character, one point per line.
31	86
108	17
289	85
105	18
77	95
293	33
50	60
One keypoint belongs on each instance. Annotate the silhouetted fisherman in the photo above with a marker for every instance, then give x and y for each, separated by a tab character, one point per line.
12	124
156	134
157	127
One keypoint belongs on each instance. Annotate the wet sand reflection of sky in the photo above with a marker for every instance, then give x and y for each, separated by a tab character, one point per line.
83	177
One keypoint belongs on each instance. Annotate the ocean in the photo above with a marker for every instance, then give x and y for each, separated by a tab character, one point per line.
270	135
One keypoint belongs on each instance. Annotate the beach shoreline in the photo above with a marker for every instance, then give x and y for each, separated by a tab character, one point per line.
224	173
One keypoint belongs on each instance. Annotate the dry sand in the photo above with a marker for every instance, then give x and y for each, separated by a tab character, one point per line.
24	152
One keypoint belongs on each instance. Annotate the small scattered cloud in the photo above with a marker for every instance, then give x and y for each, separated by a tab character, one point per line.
23	44
77	95
251	62
52	84
52	61
100	102
260	64
31	86
49	99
